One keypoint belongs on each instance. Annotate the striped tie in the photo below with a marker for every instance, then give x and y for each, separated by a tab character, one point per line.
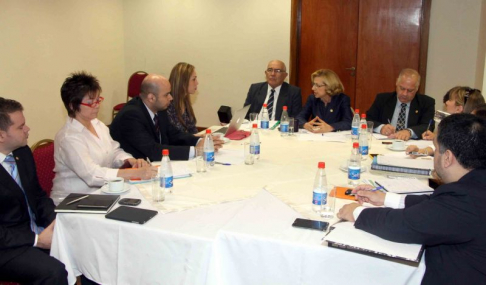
270	104
10	160
401	117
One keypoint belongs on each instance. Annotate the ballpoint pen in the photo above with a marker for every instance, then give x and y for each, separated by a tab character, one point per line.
222	163
148	160
78	199
274	126
428	127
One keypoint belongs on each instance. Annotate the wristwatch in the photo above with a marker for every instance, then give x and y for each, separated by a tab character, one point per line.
410	131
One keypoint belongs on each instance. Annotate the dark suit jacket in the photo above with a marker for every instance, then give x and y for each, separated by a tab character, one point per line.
289	96
15	233
421	111
451	223
135	131
337	113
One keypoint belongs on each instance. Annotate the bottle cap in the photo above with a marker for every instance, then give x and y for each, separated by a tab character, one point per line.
255	126
363	126
285	108
363	116
321	165
208	131
265	105
165	152
356	111
355	145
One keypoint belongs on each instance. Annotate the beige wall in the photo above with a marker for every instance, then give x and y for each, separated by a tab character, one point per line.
43	41
456	46
228	41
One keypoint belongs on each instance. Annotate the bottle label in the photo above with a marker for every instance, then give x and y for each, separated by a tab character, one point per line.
354	131
319	198
169	182
255	149
264	124
363	150
209	156
284	128
354	173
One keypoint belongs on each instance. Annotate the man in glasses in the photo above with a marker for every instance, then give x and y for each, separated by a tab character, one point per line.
275	93
403	114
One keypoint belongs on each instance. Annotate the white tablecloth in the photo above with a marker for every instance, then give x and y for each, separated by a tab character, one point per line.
231	225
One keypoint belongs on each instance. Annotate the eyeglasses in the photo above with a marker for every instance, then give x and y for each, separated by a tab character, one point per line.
319	85
92	103
279	71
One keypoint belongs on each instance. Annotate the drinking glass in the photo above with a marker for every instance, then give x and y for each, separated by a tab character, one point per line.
158	191
370	133
199	158
249	157
254	118
328	202
291	126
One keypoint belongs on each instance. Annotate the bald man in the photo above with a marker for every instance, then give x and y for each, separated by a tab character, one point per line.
275	93
142	127
403	114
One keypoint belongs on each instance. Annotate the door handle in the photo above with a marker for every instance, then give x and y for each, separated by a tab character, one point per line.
350	68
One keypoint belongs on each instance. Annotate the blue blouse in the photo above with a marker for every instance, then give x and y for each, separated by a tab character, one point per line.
337	113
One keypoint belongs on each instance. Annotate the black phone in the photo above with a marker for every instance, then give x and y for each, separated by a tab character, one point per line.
310	224
130	202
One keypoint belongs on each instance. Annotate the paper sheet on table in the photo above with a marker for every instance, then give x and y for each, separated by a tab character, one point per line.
420	143
380	137
232	156
404	185
328	137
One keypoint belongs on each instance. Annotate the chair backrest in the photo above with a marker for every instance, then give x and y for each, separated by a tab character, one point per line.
43	152
134	84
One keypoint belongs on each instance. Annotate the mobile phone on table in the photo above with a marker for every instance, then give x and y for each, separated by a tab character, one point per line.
129	202
310	224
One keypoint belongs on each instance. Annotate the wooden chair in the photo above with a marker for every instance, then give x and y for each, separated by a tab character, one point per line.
133	90
43	152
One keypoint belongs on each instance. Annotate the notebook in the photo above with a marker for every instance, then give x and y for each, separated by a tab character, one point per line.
235	122
404	185
94	203
131	215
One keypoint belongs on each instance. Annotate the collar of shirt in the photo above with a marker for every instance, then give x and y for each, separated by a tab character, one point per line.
76	125
152	115
5	165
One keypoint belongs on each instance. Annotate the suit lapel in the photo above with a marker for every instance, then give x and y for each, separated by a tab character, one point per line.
262	94
413	112
11	186
390	107
147	117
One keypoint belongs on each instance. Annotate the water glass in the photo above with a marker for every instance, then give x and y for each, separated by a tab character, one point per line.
291	126
199	158
370	133
249	157
158	191
254	118
328	202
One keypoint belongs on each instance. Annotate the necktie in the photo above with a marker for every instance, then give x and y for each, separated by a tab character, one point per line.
401	117
270	104
10	160
157	128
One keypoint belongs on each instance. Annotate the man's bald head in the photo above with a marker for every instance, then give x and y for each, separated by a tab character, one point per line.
155	92
276	73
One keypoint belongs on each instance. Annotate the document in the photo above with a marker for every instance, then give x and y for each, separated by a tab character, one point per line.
404	185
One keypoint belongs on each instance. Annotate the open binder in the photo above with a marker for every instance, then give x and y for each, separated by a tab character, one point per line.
94	203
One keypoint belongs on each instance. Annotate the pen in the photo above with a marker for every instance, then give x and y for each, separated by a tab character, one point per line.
371	190
274	126
417	153
148	160
428	127
78	199
222	163
389	122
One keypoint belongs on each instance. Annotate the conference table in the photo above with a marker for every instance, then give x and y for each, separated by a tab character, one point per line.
231	225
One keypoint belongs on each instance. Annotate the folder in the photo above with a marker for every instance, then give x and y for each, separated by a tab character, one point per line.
94	203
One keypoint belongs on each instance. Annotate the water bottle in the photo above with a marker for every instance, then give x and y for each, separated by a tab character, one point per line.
264	122
355	125
284	122
363	121
354	166
208	149
319	195
363	142
255	142
165	172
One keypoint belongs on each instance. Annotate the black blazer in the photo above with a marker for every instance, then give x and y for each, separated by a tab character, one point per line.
134	129
289	96
451	223
15	233
421	111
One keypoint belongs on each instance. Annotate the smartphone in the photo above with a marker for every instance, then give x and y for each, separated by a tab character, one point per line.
310	224
129	202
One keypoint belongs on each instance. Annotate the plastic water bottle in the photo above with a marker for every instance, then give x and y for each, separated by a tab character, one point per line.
363	142
208	149
165	172
264	122
363	121
255	142
319	195
284	122
355	125
354	166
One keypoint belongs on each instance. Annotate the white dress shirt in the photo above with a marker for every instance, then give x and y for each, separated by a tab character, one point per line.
275	99
83	161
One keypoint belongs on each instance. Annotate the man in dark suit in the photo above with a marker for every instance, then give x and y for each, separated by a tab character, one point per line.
27	215
403	114
275	93
451	222
143	129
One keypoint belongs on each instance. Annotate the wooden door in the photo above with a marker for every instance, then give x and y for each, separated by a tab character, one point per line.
377	37
329	36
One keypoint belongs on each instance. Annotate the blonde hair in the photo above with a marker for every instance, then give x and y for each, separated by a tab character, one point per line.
179	80
334	85
467	97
